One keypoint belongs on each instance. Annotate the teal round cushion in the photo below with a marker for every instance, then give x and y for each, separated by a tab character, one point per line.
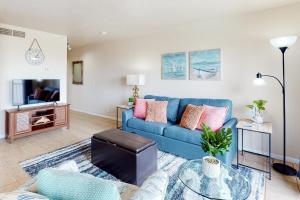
63	185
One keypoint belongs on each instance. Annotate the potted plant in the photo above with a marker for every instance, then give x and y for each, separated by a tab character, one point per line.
214	143
258	107
130	101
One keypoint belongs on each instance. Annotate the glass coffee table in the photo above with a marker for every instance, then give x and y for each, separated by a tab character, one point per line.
229	185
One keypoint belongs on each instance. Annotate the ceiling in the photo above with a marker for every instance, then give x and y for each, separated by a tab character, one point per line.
84	20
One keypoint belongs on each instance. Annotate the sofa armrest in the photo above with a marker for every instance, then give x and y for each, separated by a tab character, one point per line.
126	115
230	123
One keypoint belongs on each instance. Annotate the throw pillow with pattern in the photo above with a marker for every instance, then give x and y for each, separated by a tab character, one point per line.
191	116
157	111
140	108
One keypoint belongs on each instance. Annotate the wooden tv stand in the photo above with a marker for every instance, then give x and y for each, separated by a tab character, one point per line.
27	121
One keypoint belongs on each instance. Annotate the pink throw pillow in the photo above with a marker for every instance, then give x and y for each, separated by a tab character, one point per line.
157	111
140	108
213	117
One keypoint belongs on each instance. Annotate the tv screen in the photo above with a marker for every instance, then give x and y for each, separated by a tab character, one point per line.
35	91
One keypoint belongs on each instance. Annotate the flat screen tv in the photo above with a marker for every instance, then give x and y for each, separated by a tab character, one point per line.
33	91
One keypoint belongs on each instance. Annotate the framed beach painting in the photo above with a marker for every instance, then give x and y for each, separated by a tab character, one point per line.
174	66
205	65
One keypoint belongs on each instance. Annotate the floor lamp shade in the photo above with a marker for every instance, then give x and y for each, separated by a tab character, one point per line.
286	41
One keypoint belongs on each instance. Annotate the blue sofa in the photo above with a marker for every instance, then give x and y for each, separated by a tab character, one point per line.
171	137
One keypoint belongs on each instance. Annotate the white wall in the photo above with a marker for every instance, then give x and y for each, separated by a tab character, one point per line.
14	66
245	46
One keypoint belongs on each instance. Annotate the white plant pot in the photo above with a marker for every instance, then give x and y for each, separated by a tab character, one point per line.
130	103
257	117
211	170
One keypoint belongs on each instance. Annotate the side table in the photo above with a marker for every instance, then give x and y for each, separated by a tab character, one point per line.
266	129
121	107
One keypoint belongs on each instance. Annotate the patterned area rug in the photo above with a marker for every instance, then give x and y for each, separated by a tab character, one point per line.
81	153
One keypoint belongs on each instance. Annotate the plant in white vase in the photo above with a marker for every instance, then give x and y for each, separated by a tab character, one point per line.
258	107
214	143
130	101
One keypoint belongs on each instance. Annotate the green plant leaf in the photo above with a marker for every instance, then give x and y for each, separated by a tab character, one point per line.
217	142
259	104
250	106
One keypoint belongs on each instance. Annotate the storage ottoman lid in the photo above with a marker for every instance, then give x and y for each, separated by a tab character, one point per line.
129	141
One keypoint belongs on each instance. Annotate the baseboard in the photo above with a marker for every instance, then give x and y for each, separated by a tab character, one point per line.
94	114
275	156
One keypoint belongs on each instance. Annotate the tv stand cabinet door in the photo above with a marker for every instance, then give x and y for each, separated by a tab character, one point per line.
22	123
60	115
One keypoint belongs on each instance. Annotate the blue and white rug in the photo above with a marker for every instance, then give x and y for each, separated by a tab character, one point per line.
81	153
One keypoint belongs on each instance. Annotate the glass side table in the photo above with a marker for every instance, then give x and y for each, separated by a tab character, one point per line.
229	185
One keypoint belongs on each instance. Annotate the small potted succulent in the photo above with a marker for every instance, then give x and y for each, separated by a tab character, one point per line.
130	101
214	143
258	106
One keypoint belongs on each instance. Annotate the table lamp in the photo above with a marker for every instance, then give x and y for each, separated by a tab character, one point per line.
135	80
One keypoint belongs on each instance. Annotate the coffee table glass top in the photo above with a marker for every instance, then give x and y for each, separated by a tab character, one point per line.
229	185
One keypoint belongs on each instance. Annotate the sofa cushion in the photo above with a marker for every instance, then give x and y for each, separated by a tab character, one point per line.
191	116
157	111
172	108
212	117
210	102
152	127
64	185
140	108
185	135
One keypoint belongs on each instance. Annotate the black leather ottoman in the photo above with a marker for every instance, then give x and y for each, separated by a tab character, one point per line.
129	157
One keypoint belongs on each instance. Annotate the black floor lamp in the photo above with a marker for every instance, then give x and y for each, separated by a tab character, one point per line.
283	43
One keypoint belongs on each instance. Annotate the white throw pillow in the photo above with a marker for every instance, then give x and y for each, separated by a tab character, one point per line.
70	166
153	188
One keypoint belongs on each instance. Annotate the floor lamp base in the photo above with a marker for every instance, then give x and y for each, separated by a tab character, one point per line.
284	169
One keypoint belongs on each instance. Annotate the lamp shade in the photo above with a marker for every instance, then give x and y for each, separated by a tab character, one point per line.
259	80
286	41
135	79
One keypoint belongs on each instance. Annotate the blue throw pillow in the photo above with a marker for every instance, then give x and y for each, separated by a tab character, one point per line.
63	185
